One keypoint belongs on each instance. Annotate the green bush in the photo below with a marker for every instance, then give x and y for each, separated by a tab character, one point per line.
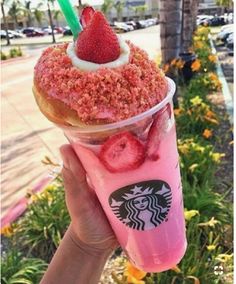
194	117
17	269
42	227
3	56
198	161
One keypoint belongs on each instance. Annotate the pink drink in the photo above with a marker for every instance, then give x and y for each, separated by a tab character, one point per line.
144	206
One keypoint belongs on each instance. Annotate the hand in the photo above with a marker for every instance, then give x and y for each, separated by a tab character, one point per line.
89	224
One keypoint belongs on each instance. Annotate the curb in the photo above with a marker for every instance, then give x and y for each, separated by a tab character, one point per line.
18	208
225	89
12	60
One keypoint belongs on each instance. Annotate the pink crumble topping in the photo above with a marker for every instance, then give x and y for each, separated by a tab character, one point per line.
111	94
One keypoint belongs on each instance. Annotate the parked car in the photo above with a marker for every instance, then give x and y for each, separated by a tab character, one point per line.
230	41
217	21
32	32
123	26
59	30
131	23
150	22
203	19
141	24
4	34
225	32
16	34
67	32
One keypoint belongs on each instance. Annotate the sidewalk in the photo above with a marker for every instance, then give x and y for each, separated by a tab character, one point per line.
27	136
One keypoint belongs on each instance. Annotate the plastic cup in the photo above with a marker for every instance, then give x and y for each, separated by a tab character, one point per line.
144	205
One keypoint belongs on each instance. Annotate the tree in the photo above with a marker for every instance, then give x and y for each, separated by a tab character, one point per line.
187	26
170	29
56	16
15	11
140	10
119	6
50	19
107	6
226	4
5	22
38	14
27	12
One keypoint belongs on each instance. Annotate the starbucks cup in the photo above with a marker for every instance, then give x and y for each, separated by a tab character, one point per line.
133	166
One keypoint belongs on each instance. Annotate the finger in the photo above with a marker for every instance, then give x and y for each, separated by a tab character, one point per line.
73	174
72	163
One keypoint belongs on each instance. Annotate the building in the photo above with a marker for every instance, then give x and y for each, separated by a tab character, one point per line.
209	7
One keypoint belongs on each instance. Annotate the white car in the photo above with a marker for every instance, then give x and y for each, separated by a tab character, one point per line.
225	32
203	19
123	26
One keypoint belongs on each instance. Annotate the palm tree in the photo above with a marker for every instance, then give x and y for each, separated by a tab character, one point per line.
140	10
5	22
56	16
50	19
226	4
194	10
107	6
119	6
187	25
15	11
27	12
38	14
170	28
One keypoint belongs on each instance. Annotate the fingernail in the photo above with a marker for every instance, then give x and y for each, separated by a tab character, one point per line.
65	160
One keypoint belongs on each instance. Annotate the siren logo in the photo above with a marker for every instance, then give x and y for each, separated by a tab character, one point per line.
142	206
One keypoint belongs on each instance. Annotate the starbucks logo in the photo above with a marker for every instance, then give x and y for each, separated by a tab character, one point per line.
142	206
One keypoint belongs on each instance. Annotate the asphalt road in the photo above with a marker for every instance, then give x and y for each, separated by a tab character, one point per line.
27	136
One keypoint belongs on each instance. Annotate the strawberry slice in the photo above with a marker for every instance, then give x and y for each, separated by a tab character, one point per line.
97	42
86	15
122	152
157	132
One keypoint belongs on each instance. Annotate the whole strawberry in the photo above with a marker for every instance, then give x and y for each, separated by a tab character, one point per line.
97	42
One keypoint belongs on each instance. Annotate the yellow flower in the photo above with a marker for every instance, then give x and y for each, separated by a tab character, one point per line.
198	44
212	58
184	149
211	247
177	111
189	214
196	65
224	257
166	67
193	167
176	269
207	133
134	275
196	101
180	64
7	231
210	223
216	157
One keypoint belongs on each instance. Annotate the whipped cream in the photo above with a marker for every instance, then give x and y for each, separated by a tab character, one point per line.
90	66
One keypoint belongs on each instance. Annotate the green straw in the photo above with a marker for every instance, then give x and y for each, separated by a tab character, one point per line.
71	18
